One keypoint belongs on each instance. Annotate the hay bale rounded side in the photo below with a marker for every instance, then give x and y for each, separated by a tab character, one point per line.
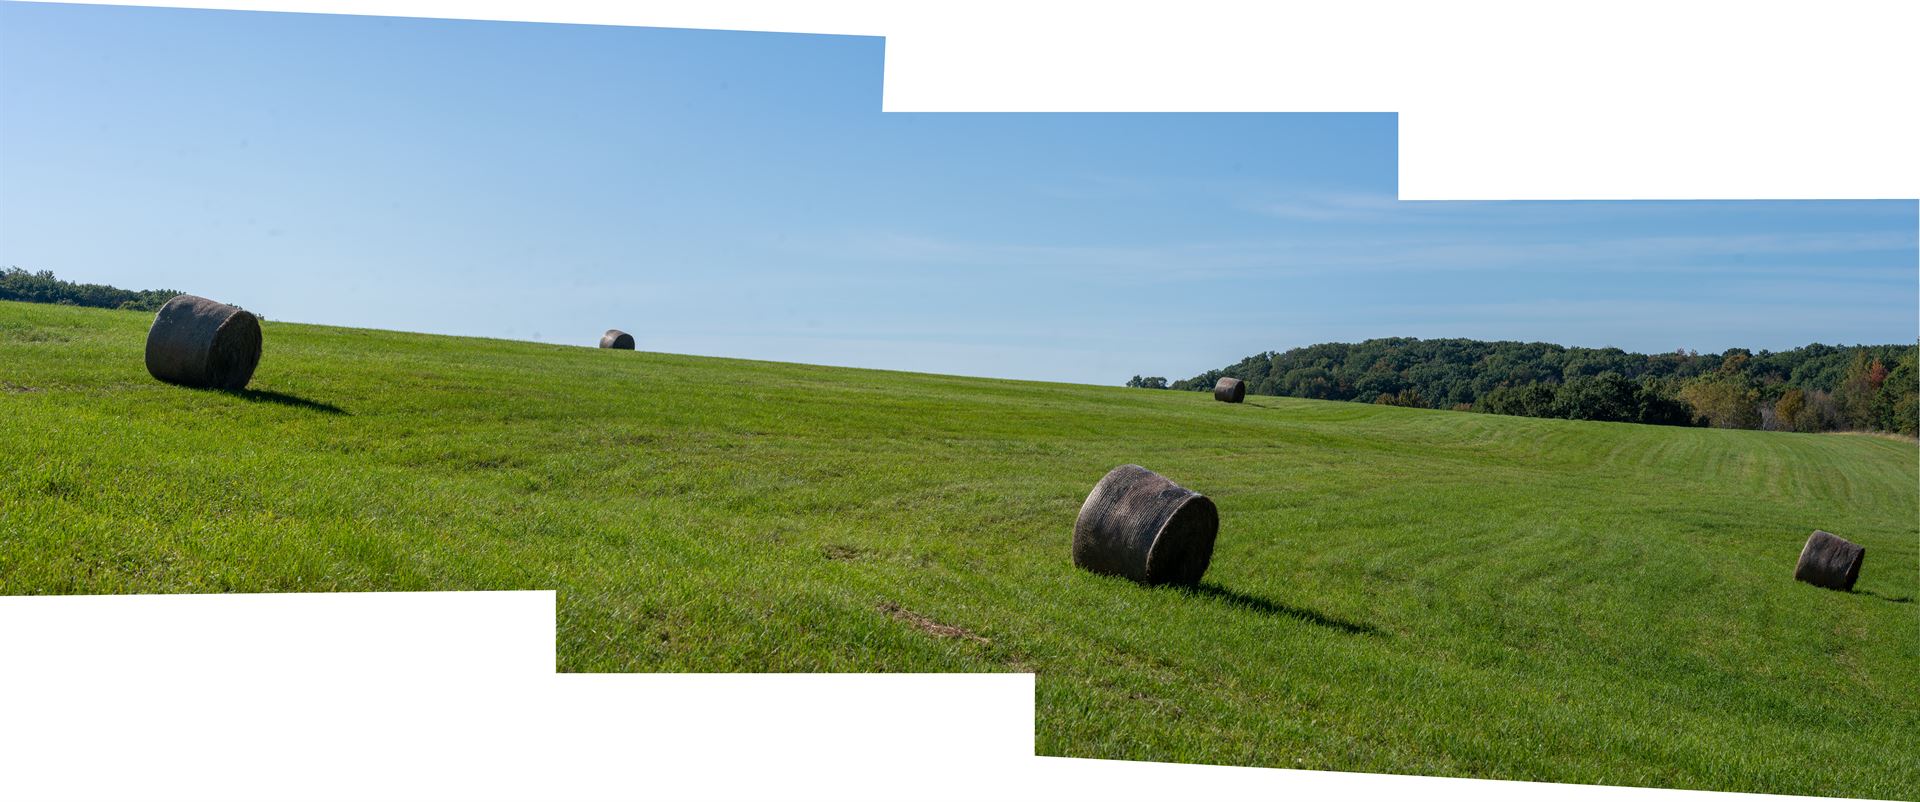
615	338
1230	390
201	343
1140	525
1829	561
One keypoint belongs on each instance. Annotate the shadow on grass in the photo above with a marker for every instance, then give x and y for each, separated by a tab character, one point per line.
1267	606
285	399
1275	403
1894	599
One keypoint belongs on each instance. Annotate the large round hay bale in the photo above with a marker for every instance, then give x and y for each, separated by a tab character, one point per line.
1140	525
615	338
1230	390
201	343
1829	561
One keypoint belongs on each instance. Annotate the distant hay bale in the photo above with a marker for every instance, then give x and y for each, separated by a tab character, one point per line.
1829	561
1140	525
615	338
1230	390
200	343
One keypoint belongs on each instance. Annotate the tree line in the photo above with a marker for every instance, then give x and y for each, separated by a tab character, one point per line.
1809	389
42	287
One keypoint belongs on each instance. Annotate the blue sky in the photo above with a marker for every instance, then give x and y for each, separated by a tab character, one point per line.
741	194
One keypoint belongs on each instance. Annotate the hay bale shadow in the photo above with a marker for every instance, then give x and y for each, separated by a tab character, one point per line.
284	399
1894	599
1265	606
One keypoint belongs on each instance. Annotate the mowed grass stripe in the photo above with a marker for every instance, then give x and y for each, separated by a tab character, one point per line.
1393	589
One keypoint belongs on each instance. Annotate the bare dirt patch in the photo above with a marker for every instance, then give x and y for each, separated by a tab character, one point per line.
931	626
835	551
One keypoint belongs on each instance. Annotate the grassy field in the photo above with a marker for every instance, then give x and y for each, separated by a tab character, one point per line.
1393	590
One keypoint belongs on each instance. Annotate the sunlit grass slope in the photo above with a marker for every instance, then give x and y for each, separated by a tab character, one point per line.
1393	590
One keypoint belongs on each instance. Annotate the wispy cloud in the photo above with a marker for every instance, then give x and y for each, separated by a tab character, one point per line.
1386	209
1346	207
1633	250
1735	254
1639	324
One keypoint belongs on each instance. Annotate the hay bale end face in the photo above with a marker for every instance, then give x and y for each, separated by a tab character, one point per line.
615	338
201	343
1230	390
1140	525
1829	561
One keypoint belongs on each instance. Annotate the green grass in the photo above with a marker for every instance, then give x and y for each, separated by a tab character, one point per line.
1393	590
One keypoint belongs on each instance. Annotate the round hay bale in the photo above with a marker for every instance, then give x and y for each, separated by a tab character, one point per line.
1230	390
200	343
1829	561
615	338
1140	525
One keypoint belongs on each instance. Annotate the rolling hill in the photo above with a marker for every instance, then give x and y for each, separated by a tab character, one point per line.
1393	589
